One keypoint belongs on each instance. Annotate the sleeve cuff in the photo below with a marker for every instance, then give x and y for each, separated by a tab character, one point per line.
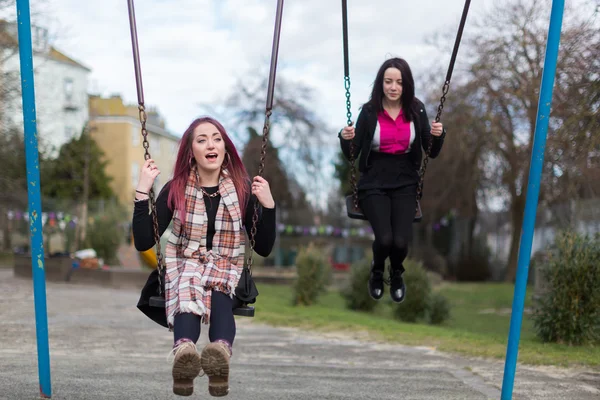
141	204
269	210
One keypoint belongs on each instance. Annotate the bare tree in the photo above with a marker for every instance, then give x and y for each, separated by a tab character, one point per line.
297	132
506	55
454	180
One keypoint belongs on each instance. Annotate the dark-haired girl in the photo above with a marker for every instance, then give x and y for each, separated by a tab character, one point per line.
391	130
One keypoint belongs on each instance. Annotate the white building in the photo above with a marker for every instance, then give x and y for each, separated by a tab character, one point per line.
60	88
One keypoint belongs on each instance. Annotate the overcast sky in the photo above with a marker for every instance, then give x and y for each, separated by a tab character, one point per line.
194	51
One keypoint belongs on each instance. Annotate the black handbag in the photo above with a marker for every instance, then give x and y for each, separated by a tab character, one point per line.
151	291
246	290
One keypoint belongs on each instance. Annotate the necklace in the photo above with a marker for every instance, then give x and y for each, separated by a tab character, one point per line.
204	192
208	194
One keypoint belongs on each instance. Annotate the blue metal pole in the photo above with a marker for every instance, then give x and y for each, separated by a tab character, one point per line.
34	197
533	191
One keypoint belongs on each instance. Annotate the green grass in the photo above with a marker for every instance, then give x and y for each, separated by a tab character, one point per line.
469	331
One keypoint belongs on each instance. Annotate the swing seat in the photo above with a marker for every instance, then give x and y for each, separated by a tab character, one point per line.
242	310
356	213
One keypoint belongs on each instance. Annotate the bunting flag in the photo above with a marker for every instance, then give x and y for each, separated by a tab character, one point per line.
53	219
323	230
63	220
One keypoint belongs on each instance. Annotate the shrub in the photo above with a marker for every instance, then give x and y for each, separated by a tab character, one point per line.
312	269
568	309
356	293
70	238
439	309
105	236
418	291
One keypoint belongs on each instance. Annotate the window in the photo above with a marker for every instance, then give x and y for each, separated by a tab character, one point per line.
135	174
154	145
39	38
68	87
135	136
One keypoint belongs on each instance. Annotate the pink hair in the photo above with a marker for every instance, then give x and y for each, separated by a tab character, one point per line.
183	166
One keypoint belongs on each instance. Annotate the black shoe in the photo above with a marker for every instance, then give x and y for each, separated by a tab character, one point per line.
376	283
397	286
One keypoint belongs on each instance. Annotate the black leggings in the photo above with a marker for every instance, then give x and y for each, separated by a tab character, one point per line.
391	214
222	322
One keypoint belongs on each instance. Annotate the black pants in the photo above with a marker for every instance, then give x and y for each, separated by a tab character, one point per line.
222	322
390	213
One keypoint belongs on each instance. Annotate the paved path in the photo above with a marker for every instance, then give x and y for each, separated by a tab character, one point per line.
103	348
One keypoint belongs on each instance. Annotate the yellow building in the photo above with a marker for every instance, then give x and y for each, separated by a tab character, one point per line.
117	130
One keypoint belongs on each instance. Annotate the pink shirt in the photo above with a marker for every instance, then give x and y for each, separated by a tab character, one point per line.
393	136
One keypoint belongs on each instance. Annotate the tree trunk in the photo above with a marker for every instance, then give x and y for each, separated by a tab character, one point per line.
83	217
517	223
429	236
83	224
473	214
6	225
472	221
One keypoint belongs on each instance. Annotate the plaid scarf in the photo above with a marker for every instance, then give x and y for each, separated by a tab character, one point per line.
192	271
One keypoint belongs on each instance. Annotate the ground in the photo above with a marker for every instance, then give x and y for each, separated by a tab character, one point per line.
102	347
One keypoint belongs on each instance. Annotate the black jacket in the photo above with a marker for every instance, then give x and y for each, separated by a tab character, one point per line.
365	130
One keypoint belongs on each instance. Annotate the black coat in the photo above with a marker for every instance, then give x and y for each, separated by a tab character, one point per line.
365	130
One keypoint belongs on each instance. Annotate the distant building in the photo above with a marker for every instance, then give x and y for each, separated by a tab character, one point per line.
60	88
117	130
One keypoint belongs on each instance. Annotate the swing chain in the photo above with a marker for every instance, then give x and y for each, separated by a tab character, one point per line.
348	112
429	144
352	161
261	168
146	145
353	177
442	100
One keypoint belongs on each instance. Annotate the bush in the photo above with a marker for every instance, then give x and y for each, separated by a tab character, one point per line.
70	238
568	309
312	269
418	291
356	293
439	309
105	236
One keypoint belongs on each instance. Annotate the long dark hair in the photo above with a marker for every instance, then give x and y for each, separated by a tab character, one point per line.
408	88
